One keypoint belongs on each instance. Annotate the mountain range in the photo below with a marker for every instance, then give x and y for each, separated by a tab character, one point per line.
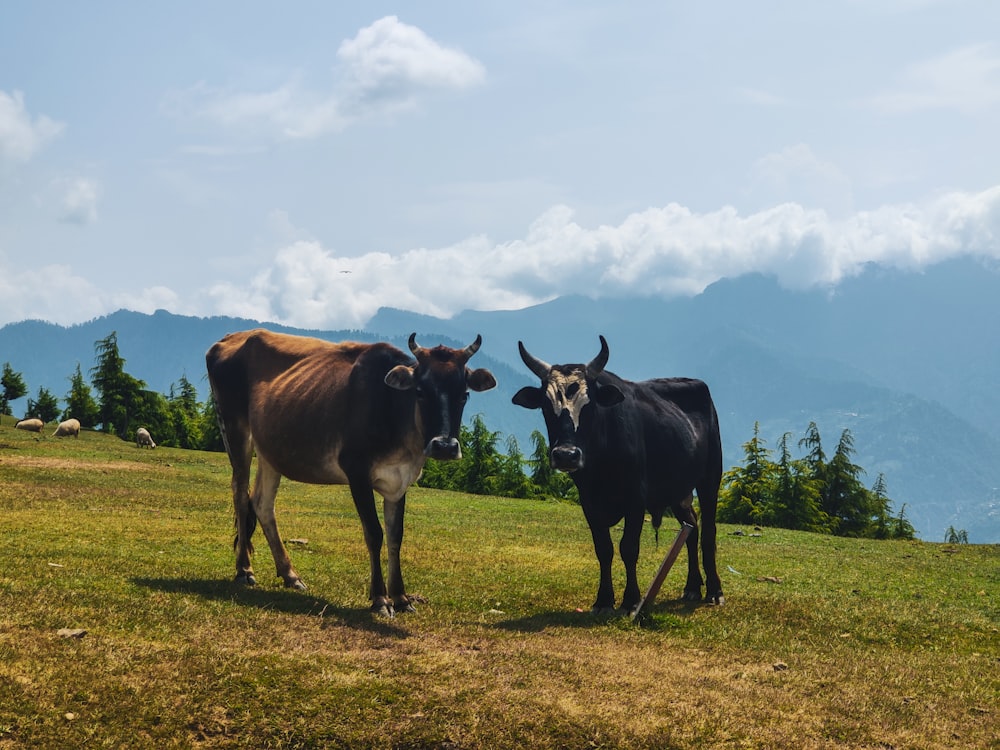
909	362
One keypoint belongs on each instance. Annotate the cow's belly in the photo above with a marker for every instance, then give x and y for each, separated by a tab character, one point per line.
389	476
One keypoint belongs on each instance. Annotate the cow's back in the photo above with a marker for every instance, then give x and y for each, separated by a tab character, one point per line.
664	434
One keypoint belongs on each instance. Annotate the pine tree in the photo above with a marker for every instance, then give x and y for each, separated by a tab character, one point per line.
118	392
185	418
510	479
208	426
795	503
45	406
80	403
480	458
13	387
846	500
747	491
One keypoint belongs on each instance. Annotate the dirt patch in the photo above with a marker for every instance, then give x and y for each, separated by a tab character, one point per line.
42	462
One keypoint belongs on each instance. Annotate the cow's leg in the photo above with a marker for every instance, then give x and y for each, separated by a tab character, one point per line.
240	451
264	491
604	548
684	512
364	501
628	547
393	513
708	499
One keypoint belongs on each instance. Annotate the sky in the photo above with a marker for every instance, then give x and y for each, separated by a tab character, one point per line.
308	163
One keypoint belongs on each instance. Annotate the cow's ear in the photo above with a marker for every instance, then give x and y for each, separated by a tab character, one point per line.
609	395
529	397
480	380
401	378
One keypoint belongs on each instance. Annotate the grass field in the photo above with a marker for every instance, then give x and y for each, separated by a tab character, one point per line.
823	642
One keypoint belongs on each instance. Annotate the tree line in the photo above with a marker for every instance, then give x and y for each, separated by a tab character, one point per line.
810	493
122	403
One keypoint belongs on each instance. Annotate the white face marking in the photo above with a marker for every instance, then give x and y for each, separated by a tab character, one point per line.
568	392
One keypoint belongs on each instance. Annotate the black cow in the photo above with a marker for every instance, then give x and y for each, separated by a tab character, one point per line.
365	415
631	448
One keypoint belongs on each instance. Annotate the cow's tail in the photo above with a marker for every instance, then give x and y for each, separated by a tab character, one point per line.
657	520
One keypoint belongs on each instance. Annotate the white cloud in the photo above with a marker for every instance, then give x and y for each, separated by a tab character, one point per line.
79	200
383	69
389	62
20	136
661	251
966	80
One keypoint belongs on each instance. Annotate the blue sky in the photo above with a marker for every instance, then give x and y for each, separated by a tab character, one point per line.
307	163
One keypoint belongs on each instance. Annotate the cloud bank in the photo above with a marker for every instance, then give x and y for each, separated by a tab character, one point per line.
665	251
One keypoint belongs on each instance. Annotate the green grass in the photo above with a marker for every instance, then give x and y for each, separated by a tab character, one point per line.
876	644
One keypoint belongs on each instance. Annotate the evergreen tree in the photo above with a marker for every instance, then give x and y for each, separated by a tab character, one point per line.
45	406
747	490
510	479
846	500
795	503
481	461
118	392
956	536
13	387
208	427
80	403
185	416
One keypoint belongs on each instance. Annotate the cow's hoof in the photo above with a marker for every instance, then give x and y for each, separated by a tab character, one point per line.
296	583
603	611
404	605
383	608
716	599
245	579
692	596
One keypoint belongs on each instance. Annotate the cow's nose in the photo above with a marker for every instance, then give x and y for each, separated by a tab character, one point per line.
567	458
444	448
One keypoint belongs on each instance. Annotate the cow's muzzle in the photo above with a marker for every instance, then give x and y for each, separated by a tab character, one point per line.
444	448
566	458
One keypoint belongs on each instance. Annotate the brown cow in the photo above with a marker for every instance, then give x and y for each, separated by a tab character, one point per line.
364	415
67	428
31	425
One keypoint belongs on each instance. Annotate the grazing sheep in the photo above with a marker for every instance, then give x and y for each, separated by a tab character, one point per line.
67	428
143	439
31	425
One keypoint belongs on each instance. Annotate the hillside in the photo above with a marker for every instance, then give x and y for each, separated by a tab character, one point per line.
890	356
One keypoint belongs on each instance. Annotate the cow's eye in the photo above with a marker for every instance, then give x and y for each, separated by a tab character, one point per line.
573	389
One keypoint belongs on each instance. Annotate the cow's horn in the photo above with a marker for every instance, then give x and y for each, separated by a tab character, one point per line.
474	346
537	366
413	343
596	366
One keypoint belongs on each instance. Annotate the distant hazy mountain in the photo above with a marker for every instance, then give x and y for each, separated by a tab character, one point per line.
909	362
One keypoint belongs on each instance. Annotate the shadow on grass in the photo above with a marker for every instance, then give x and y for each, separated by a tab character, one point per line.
290	602
664	616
